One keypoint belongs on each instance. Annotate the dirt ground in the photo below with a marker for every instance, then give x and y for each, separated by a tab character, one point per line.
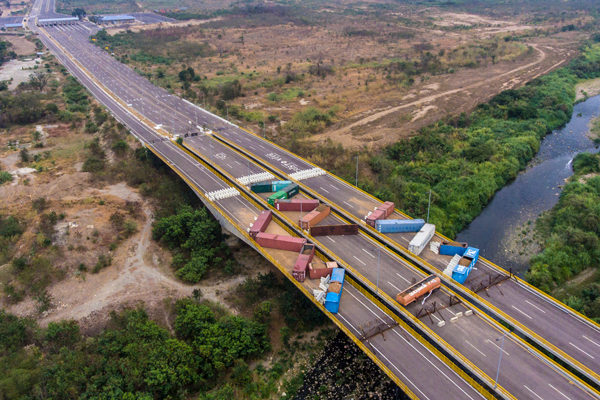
587	88
17	71
20	44
371	108
139	273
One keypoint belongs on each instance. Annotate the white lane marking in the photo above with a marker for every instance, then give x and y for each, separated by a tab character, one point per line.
498	347
584	352
532	392
534	306
590	340
323	189
450	311
367	307
563	395
407	281
348	322
331	239
229	165
394	286
348	204
471	344
237	162
400	372
436	318
368	253
527	315
434	366
359	260
333	186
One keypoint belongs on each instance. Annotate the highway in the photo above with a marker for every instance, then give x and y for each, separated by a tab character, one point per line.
408	359
516	303
168	111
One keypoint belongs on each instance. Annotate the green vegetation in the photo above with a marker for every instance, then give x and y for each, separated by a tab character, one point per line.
75	96
466	159
143	48
310	120
133	358
5	52
5	177
21	108
194	237
572	240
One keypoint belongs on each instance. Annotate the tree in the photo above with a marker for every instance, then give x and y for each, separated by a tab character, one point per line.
79	13
39	80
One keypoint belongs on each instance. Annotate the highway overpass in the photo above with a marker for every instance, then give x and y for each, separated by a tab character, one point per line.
216	161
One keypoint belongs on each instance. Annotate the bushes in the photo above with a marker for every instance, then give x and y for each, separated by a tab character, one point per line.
133	358
465	160
311	120
571	232
22	108
75	96
195	238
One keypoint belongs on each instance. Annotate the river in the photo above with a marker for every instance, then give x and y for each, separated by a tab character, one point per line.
506	223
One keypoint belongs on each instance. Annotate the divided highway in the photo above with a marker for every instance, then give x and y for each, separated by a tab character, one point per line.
527	373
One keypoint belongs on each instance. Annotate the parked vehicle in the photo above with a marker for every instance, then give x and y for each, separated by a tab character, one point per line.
304	258
281	242
334	292
418	243
260	223
399	225
465	265
314	217
419	289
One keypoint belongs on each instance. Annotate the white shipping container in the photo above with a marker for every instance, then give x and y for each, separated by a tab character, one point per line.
418	243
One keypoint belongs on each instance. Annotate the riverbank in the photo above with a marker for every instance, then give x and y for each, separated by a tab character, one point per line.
587	88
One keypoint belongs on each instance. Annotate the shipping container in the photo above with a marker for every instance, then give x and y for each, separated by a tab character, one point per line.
275	196
387	208
418	243
304	258
260	223
314	217
279	185
452	248
291	190
374	216
280	242
399	225
261	187
334	230
334	293
419	289
269	186
302	205
319	270
465	265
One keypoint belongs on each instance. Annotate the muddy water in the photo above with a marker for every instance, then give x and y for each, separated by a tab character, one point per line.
498	230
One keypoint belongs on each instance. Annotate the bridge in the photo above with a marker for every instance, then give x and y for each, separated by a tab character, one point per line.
445	347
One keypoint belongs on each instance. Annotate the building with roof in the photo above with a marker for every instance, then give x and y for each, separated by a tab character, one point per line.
112	19
57	21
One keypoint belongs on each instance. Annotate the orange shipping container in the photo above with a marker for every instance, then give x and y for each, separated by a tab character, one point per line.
314	217
419	289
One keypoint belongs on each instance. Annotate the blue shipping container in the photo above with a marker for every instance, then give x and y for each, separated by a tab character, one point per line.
472	253
279	185
449	250
460	273
399	225
332	299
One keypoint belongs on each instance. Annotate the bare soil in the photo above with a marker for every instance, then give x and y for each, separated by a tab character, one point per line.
17	71
20	44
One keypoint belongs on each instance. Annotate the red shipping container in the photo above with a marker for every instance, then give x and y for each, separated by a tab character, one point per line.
280	242
316	273
374	216
387	208
261	223
301	205
300	267
314	217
